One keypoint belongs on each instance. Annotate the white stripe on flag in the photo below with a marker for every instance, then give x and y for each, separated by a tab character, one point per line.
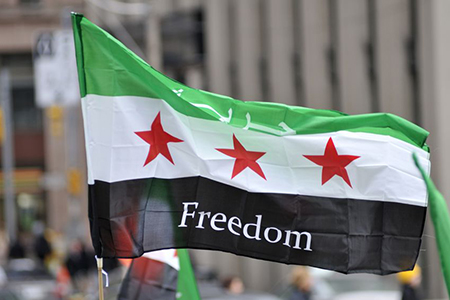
385	170
167	256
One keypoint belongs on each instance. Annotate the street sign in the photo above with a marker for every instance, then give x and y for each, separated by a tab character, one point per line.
55	71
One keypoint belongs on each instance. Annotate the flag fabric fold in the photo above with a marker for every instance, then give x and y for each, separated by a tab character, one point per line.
441	222
170	166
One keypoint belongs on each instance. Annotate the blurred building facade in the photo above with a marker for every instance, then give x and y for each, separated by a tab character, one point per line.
357	56
40	148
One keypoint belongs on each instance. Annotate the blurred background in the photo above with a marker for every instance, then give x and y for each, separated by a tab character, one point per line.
356	56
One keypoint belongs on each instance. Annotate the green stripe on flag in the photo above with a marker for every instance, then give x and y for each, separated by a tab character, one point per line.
187	285
116	71
76	24
441	222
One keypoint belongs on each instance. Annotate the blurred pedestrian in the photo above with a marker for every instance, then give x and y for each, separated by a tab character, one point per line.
410	283
62	288
233	285
41	246
17	249
79	263
301	284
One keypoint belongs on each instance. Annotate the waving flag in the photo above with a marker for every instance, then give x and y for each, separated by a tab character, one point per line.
170	166
160	275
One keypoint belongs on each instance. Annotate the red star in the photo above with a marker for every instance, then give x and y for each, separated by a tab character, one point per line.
158	140
332	163
244	158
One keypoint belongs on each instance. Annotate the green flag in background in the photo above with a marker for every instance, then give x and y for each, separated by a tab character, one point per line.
441	222
187	285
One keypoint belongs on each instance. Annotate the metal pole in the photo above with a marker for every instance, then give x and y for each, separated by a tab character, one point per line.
8	157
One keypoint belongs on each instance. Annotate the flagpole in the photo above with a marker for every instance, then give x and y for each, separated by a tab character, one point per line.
100	277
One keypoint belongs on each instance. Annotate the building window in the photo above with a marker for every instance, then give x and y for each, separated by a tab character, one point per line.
29	2
26	116
182	42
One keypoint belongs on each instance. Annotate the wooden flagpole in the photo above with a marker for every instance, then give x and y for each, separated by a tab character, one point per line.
100	278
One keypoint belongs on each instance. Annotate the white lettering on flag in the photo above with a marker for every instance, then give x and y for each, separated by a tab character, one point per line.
251	231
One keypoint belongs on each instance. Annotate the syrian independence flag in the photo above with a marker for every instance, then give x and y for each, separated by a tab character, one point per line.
170	166
162	274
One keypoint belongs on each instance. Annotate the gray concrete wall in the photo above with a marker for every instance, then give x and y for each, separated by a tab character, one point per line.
435	93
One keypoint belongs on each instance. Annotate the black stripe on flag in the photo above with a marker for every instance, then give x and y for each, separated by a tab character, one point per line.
345	235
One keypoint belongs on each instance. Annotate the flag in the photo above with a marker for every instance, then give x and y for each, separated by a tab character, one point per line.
151	276
170	166
187	285
441	222
164	274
